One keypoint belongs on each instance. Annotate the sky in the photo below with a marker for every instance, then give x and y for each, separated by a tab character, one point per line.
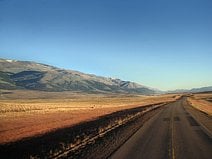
164	44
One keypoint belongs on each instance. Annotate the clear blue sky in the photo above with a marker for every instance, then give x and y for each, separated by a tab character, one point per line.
166	44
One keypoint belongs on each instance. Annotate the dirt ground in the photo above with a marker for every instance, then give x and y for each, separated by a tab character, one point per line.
202	101
29	113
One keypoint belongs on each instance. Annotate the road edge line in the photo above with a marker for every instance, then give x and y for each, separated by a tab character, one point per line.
204	129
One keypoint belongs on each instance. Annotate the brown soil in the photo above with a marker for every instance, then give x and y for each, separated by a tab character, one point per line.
93	139
27	116
202	102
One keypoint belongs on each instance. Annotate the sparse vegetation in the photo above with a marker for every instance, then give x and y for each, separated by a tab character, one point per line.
29	115
202	101
77	141
68	121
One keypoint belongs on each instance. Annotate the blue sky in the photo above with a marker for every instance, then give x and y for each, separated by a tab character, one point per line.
166	44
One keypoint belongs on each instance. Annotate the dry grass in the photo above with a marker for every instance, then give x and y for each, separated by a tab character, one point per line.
28	113
202	101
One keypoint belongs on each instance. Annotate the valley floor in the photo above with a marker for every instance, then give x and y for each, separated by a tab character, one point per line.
30	113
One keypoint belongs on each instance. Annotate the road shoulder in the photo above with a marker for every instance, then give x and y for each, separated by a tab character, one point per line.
203	119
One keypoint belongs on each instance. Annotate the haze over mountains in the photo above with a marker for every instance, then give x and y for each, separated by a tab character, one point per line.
35	76
193	90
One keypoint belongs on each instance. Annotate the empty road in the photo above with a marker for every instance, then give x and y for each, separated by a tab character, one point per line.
170	134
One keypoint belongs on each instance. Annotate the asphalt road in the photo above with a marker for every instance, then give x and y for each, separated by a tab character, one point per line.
170	134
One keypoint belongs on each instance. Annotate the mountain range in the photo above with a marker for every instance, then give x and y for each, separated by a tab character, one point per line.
193	90
35	76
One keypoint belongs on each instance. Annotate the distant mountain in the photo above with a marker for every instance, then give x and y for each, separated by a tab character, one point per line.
35	76
202	89
193	90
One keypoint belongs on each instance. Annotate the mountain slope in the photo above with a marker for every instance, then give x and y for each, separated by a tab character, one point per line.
36	76
202	89
193	90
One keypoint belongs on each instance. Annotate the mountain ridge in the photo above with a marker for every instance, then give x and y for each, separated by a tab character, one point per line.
31	75
192	90
16	74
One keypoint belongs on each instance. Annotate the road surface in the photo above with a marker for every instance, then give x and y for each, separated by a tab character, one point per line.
171	134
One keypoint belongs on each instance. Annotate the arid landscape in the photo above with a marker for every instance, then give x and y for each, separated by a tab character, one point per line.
48	112
202	102
32	115
29	113
90	123
106	79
